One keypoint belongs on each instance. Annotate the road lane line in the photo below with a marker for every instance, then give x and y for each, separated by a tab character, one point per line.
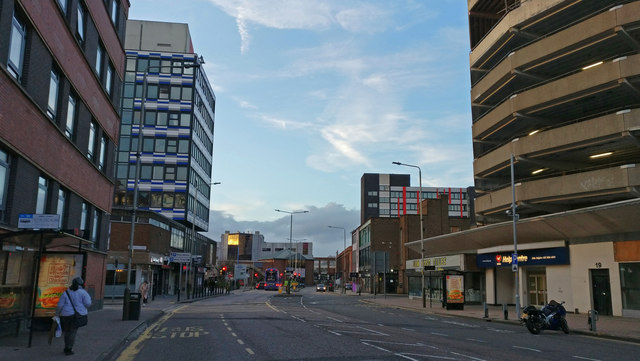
234	334
467	356
335	319
335	333
250	351
418	344
586	358
374	346
229	329
240	341
405	355
439	334
298	318
527	348
475	340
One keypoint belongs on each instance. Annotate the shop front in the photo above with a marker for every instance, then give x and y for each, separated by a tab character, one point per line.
539	270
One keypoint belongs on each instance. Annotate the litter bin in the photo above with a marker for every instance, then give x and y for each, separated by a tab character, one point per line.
134	305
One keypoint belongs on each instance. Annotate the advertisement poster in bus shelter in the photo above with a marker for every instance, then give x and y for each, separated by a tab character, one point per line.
455	289
56	272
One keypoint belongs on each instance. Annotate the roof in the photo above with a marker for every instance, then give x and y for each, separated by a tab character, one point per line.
619	218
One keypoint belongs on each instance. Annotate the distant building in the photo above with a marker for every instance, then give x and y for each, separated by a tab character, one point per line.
390	195
252	247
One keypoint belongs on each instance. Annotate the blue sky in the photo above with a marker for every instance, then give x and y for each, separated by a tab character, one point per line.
313	94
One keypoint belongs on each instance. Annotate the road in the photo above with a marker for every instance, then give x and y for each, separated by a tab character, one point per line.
261	325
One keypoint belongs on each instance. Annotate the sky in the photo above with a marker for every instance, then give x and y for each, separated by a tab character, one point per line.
310	95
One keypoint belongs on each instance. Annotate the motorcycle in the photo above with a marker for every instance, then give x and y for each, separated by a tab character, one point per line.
550	317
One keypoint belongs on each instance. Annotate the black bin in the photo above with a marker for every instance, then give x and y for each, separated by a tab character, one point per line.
135	300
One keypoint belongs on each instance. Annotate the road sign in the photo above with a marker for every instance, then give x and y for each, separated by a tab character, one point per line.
180	257
39	221
514	267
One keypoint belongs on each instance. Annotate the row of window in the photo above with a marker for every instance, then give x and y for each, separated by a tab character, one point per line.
90	217
63	105
413	207
157	172
414	195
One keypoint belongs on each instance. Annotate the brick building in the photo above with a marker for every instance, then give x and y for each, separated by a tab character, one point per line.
61	69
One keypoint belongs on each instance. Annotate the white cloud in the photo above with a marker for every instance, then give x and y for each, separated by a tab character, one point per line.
354	16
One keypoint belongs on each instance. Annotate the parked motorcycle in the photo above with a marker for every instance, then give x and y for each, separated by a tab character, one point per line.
550	317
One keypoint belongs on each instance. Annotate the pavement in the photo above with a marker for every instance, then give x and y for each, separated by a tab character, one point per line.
107	334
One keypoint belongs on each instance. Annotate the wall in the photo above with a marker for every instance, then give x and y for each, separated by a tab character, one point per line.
585	257
559	286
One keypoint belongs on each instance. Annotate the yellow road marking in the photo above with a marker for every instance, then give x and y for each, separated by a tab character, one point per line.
134	348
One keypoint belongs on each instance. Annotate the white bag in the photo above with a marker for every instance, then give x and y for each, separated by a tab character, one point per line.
58	328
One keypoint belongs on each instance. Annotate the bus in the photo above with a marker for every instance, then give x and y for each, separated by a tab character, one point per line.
272	279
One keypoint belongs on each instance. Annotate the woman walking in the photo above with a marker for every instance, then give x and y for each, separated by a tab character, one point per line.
74	299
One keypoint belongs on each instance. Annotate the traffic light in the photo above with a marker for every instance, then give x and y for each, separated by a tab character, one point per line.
255	275
184	267
224	269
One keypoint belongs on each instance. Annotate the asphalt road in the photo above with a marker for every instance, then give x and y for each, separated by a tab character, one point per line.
260	325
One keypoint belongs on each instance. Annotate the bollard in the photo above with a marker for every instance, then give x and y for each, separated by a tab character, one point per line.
486	310
591	320
505	311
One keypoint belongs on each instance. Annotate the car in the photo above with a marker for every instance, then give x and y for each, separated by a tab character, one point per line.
320	287
260	285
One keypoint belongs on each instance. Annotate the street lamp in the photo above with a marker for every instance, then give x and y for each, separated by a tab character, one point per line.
424	297
193	234
344	244
515	238
198	62
291	213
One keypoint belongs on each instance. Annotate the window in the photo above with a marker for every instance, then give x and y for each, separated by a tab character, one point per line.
95	226
62	199
4	179
16	48
41	200
103	151
83	216
92	140
63	5
372	193
114	12
52	104
81	23
108	81
71	117
99	57
163	91
372	205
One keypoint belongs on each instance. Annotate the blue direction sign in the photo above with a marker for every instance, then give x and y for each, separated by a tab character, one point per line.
180	257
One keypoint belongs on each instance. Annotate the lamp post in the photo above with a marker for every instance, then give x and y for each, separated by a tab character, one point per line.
291	213
198	62
193	232
344	245
514	262
424	296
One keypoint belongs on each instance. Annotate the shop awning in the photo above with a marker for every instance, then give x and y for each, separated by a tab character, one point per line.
619	218
30	239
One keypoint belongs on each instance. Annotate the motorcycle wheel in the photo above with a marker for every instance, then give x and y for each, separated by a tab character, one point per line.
564	326
534	325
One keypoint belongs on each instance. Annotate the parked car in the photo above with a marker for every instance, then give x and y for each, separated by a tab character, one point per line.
260	285
320	287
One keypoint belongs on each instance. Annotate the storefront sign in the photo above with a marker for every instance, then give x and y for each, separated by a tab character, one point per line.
56	272
39	221
444	262
531	257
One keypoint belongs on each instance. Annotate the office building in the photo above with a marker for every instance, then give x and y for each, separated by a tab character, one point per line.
61	68
168	114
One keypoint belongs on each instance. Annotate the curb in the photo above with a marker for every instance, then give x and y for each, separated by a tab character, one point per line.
577	332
